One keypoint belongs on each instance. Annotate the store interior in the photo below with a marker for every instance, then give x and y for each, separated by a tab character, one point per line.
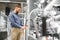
41	16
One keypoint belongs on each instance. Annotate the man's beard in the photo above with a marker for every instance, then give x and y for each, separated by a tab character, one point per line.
16	12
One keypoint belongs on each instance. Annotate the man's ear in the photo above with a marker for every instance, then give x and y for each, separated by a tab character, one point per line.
15	7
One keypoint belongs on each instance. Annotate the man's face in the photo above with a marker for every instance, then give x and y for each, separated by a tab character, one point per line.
18	9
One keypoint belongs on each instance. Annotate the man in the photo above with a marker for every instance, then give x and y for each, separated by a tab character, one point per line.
16	26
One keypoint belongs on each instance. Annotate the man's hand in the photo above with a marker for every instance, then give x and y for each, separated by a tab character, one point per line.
24	27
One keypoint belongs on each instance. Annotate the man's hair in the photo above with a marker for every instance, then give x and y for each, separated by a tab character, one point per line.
17	5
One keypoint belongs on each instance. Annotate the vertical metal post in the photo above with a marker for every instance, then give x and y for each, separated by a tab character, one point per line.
28	21
22	6
24	30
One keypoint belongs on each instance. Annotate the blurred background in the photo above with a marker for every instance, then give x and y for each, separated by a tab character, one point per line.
41	16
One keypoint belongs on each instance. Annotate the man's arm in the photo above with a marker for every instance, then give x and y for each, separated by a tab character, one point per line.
11	18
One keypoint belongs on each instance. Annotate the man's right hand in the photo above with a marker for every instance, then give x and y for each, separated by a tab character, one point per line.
23	27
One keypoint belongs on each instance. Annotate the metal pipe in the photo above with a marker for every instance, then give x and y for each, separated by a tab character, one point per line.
10	2
49	6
